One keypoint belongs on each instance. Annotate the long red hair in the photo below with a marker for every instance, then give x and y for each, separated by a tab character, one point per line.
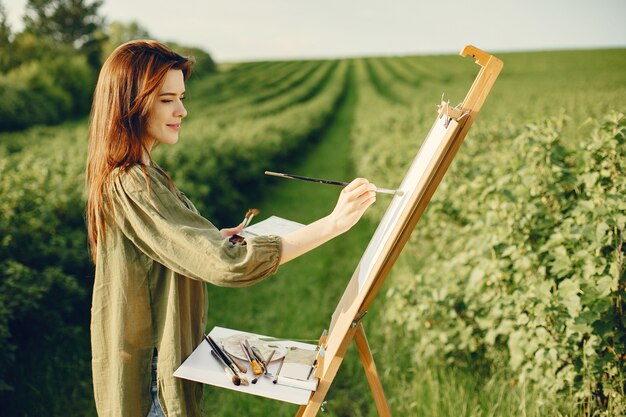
128	85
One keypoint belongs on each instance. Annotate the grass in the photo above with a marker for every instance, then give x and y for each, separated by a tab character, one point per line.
434	388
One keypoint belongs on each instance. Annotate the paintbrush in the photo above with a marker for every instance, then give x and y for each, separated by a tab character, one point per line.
225	359
249	215
236	362
275	381
255	353
257	369
260	358
235	378
267	363
330	182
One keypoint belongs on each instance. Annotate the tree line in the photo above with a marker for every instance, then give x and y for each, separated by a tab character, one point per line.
48	69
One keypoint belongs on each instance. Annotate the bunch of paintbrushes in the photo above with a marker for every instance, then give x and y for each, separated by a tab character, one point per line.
228	362
257	362
233	368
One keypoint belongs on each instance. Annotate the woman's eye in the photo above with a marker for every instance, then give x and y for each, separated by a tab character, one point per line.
170	101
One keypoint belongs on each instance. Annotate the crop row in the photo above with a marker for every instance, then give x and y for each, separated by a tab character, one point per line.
242	80
296	89
270	88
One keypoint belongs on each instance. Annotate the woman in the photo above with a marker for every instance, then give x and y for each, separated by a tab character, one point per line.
153	252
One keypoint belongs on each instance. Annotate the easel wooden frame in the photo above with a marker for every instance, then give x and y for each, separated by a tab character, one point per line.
346	322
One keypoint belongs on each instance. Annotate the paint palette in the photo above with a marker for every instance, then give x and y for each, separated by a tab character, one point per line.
232	345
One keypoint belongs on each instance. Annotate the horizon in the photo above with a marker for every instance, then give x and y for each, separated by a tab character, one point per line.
426	54
248	31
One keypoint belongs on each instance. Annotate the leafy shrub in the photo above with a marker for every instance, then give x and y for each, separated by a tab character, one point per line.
75	76
45	92
526	254
43	272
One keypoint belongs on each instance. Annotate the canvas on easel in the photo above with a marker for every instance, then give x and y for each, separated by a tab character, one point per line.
423	177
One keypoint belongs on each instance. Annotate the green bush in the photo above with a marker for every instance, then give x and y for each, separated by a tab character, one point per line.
530	260
36	99
45	92
43	268
76	77
44	82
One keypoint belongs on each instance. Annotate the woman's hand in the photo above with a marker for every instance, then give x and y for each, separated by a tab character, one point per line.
231	231
354	199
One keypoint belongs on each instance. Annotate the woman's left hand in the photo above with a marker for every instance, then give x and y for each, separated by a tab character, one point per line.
232	231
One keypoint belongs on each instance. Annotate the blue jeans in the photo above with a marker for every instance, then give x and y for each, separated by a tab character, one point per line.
155	409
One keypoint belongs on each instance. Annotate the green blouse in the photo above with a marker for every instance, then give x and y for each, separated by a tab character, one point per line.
149	292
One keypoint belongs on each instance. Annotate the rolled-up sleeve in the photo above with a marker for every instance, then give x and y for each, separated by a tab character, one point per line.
161	226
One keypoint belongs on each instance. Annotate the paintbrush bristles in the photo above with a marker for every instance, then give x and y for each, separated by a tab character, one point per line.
252	212
249	215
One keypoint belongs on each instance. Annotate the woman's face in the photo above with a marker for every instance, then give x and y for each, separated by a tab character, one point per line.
167	111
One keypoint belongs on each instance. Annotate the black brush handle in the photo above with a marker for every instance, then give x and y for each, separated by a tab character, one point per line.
221	354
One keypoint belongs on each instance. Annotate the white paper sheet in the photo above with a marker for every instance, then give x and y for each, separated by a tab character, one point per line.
200	366
273	225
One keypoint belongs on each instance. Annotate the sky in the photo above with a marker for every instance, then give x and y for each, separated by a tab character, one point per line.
247	30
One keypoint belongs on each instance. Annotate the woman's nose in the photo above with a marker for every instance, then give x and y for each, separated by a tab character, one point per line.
181	111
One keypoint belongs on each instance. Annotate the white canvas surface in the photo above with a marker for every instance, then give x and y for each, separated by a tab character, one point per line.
431	146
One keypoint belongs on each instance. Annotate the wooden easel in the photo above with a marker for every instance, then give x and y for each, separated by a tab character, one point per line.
418	186
346	321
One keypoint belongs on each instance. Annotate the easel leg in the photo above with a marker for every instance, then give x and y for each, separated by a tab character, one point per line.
370	372
315	403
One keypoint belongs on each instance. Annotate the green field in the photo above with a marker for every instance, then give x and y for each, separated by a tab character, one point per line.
508	299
